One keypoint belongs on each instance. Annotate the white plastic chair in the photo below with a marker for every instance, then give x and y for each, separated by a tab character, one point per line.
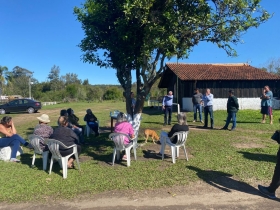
181	140
118	139
35	140
54	149
136	125
88	130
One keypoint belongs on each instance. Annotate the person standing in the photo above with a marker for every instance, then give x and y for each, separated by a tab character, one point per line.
275	182
167	107
266	104
232	109
208	108
197	100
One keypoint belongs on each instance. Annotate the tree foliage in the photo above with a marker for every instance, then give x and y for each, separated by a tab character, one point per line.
3	70
273	66
140	35
113	94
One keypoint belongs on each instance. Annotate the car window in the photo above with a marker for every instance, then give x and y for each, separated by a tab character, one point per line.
19	102
25	101
13	103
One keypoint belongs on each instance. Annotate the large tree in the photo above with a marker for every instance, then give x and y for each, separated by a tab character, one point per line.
19	81
3	70
140	35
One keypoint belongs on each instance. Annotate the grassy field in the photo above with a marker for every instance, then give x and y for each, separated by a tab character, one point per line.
247	154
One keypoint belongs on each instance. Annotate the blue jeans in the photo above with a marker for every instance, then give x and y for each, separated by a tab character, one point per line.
167	110
93	126
14	142
79	134
195	108
231	115
208	110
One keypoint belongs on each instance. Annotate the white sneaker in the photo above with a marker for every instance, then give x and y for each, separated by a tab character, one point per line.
194	121
14	160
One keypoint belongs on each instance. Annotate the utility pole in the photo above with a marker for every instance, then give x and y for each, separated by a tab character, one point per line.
30	83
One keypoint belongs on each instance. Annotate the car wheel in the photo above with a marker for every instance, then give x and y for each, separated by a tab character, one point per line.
30	110
2	111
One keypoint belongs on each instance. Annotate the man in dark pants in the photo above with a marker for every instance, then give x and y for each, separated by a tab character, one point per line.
275	182
197	107
167	107
208	108
232	109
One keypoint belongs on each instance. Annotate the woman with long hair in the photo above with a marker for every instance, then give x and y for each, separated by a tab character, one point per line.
10	137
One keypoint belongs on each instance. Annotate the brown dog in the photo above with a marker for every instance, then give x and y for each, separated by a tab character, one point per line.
151	133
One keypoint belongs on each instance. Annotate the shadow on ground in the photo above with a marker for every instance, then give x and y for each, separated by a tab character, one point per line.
259	157
224	182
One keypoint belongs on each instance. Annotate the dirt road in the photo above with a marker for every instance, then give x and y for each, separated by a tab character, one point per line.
200	195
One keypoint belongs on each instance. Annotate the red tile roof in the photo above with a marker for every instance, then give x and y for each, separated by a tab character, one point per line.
238	71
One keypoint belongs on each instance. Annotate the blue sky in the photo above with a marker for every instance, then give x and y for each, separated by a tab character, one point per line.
37	34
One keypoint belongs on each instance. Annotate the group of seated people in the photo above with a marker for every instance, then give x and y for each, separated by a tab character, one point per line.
122	126
69	132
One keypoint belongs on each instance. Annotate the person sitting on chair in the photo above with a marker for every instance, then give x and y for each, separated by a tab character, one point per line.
180	126
122	126
76	129
10	138
73	119
68	137
43	130
91	120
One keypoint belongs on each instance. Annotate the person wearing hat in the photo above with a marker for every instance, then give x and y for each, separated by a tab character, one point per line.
43	129
91	120
232	109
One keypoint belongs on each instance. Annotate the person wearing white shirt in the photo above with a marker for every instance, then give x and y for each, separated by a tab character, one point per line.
208	108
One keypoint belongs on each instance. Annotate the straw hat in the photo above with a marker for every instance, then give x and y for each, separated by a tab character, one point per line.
44	118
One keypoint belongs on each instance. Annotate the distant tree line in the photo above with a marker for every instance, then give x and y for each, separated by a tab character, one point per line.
272	66
64	88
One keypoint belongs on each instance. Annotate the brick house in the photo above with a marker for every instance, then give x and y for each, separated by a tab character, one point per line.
246	81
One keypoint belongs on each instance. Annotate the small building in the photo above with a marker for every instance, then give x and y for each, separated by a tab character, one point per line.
246	81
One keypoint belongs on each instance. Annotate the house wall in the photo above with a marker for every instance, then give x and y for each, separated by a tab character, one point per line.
242	89
221	104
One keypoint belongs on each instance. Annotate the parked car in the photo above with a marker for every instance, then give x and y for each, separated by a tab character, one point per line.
20	105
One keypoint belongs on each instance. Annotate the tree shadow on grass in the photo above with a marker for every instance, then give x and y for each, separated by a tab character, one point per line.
259	157
152	154
101	149
152	111
224	182
150	122
244	122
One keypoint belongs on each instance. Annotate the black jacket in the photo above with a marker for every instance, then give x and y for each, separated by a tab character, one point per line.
232	104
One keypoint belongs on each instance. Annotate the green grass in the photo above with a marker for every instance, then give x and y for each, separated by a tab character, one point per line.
247	154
